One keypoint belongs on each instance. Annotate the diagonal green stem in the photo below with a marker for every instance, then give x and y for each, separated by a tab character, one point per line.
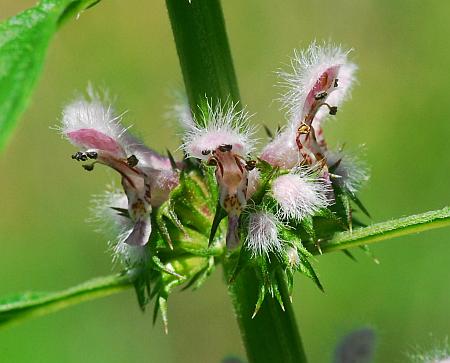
254	332
387	230
36	304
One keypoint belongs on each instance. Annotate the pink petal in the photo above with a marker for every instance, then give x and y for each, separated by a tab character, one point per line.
93	139
323	84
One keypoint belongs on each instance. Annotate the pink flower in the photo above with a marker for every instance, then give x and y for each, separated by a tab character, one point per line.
224	142
320	79
95	129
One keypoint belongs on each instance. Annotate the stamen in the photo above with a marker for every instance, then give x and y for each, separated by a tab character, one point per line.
320	95
92	154
333	109
206	152
225	147
212	161
250	165
132	161
79	156
88	167
336	83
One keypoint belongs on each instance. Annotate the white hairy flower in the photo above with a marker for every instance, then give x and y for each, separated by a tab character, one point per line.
320	73
94	128
221	126
222	138
299	194
262	237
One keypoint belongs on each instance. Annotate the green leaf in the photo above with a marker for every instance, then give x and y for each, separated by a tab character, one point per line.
24	39
21	306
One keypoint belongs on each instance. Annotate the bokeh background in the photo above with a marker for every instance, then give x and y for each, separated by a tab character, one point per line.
399	111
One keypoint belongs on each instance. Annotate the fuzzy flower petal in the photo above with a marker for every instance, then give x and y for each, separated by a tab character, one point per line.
93	127
299	194
320	73
224	141
262	237
223	126
282	151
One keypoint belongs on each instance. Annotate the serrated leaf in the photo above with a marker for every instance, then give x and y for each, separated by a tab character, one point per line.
24	39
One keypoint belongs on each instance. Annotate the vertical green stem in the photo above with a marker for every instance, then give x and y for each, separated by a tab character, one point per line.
202	45
199	31
272	335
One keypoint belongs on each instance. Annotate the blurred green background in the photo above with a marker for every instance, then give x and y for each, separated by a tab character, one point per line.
399	110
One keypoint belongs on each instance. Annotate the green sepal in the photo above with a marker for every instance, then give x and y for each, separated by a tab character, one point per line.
267	173
159	265
244	259
166	211
261	296
359	204
122	212
190	200
304	265
165	282
369	253
306	268
142	288
218	217
269	133
199	278
349	255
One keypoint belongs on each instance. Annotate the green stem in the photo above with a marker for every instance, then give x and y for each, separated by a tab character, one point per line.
272	335
202	45
387	230
36	304
271	324
205	59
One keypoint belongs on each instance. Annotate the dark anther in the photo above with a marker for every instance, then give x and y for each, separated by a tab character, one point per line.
132	160
79	156
206	152
336	83
250	165
88	167
92	155
320	95
225	147
333	110
212	162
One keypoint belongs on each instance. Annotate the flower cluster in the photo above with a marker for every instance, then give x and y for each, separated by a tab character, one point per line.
275	204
